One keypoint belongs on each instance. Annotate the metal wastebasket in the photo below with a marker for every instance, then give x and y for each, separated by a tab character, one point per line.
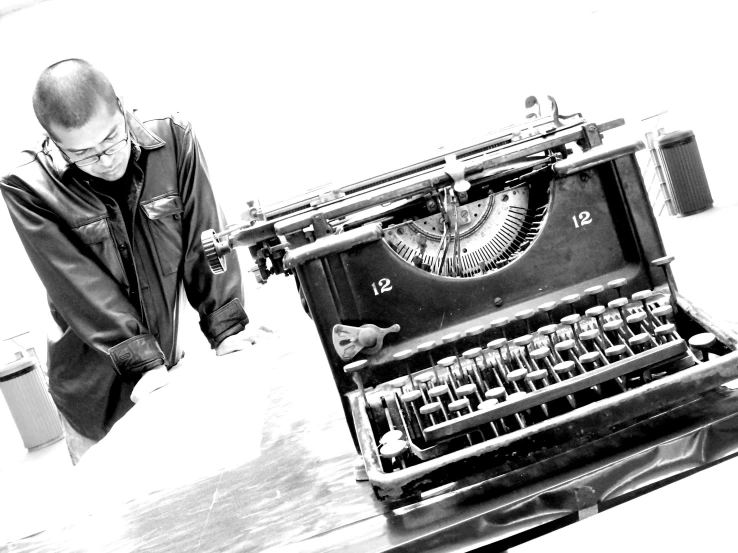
684	172
35	415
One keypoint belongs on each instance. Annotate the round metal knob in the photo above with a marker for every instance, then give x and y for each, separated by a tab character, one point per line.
213	248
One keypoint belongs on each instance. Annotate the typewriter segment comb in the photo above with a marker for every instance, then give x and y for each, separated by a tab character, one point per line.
471	235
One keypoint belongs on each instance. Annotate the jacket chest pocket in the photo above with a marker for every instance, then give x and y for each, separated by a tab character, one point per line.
98	237
164	218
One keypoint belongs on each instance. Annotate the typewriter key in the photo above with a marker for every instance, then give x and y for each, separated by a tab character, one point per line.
487	404
448	364
590	360
500	324
427	347
547	308
703	342
619	304
459	407
476	331
642	297
639	342
411	396
429	409
589	338
498	367
665	264
615	353
614	332
543	355
635	322
394	451
572	321
566	348
571	300
516	376
354	369
594	292
535	376
466	390
391	436
667	333
496	393
664	313
617	285
404	355
525	315
537	380
398	382
423	381
596	314
564	370
523	343
475	355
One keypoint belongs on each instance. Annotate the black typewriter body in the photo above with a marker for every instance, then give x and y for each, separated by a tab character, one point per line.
493	313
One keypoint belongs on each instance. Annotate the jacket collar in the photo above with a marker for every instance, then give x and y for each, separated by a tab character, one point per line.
143	136
140	135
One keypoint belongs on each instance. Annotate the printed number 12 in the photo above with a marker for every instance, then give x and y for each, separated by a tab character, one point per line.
384	285
584	219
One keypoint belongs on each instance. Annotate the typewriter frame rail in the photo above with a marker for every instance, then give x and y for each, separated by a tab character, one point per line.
475	463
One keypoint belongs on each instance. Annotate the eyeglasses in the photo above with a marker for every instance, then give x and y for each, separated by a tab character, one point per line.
114	149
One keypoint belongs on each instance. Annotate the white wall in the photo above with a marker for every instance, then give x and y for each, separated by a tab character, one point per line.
289	95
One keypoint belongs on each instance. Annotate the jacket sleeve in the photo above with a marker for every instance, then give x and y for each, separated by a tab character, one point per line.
218	298
87	297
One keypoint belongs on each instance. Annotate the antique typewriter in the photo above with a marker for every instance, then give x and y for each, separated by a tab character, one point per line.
486	308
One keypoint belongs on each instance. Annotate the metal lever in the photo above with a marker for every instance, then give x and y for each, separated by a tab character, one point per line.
456	169
350	340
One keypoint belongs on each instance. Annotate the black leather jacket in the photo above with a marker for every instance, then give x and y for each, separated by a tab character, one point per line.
110	332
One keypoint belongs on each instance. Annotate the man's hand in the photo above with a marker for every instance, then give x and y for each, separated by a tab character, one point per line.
150	381
247	337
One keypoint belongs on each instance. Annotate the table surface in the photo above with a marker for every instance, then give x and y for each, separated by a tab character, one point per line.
251	451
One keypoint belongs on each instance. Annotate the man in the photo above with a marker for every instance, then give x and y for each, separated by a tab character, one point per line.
110	209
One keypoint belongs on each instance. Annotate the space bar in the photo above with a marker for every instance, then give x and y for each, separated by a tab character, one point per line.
649	358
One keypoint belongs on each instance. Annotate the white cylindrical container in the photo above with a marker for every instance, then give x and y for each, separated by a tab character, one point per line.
35	415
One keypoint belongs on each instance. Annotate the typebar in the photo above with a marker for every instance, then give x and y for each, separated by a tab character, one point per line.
649	358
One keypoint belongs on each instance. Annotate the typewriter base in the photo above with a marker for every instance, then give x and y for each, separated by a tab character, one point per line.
501	513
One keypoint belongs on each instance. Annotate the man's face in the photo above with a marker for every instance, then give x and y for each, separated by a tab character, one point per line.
102	131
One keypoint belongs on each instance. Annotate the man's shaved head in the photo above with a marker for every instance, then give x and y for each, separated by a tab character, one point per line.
68	93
